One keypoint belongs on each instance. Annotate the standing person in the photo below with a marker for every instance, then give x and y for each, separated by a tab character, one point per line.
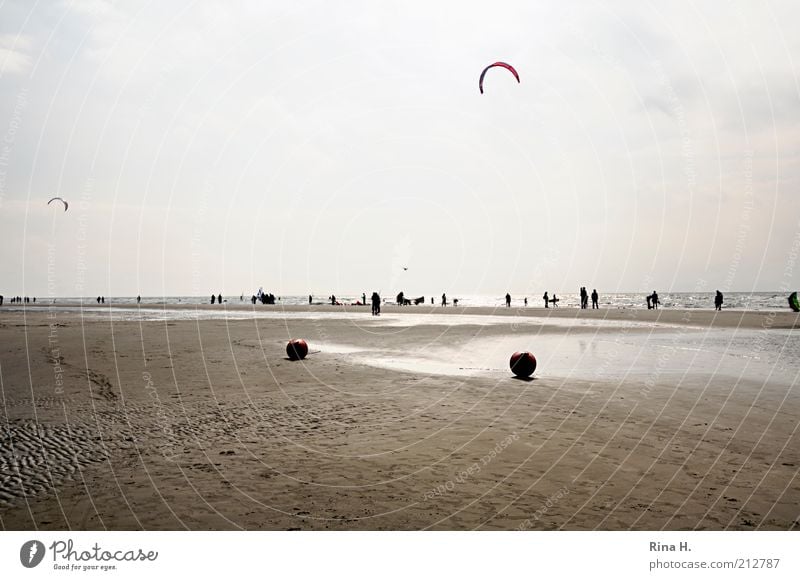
213	299
546	300
554	300
649	301
508	300
431	300
655	300
138	299
582	293
718	300
444	299
376	304
526	302
364	298
595	298
309	299
219	298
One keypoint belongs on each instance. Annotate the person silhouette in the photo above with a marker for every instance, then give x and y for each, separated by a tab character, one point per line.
649	299
508	300
554	300
718	300
376	304
219	298
444	299
138	299
526	301
546	300
655	300
595	298
309	299
213	299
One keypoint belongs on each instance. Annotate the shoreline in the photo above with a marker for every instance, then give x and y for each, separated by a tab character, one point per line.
727	318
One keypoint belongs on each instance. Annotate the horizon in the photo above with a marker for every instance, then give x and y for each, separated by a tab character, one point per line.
391	295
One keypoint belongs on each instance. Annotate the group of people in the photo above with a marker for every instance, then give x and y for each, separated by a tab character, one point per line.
653	301
548	300
585	298
19	299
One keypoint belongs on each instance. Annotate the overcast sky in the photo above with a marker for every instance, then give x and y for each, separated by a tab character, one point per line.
323	146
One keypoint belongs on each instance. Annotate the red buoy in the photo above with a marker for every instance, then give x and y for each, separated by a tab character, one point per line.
297	349
523	364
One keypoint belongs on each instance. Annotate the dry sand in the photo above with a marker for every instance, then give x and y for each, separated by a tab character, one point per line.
204	424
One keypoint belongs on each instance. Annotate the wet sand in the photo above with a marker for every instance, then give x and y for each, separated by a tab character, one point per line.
111	422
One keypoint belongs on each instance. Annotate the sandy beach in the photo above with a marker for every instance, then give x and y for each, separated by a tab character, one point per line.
193	418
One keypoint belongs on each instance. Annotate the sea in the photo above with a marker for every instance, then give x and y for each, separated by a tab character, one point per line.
775	300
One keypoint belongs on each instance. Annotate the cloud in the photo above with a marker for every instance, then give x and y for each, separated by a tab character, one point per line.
14	54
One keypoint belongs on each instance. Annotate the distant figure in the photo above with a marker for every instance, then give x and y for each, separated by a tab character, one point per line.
400	298
309	299
584	297
98	300
253	299
656	302
455	302
595	299
364	298
1	299
508	300
444	299
718	300
103	299
554	300
333	300
526	302
138	299
34	299
431	300
649	301
219	298
376	304
213	299
546	300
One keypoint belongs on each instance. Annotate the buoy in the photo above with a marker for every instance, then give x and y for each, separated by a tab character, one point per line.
523	364
296	349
